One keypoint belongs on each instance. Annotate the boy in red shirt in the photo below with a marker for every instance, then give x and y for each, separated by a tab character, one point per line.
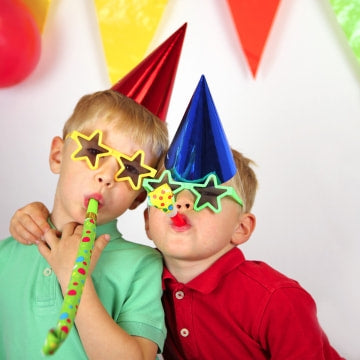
219	305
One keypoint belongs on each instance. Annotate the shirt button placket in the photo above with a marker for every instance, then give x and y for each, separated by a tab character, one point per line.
184	317
184	332
179	295
47	271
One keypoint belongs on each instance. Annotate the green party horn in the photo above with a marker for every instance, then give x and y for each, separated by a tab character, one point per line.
57	335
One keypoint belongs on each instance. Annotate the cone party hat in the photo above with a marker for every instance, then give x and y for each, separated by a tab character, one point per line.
150	83
200	147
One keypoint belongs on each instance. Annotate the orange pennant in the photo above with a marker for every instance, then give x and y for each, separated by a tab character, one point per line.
39	10
253	20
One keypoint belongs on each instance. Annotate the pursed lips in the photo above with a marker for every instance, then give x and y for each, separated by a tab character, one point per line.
95	196
182	228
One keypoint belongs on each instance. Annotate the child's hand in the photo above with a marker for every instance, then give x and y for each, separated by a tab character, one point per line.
61	252
29	224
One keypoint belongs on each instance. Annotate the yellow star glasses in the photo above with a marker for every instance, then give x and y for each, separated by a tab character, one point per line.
91	149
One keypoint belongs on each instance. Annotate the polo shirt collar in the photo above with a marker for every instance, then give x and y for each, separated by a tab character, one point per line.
108	228
207	281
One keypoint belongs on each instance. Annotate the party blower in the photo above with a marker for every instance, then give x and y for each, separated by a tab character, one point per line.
57	335
163	198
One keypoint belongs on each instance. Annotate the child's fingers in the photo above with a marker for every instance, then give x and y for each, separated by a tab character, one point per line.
99	246
25	234
41	224
29	224
44	249
71	228
31	228
51	238
101	242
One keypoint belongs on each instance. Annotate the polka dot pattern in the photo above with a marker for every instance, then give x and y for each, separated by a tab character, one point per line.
73	295
162	198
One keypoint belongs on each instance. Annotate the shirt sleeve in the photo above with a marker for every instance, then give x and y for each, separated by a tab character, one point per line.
142	313
290	329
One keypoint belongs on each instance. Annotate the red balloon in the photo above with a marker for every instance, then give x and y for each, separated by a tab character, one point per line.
20	42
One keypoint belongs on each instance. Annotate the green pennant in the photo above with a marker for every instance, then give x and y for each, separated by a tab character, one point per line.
348	16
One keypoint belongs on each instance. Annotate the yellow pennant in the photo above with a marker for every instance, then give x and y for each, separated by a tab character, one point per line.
39	10
127	28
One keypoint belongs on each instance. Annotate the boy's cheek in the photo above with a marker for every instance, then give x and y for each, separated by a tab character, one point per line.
156	220
148	221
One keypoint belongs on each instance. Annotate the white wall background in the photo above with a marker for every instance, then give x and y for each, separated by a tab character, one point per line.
300	122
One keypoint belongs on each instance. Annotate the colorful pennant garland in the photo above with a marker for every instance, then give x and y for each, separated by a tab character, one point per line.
127	28
348	16
253	20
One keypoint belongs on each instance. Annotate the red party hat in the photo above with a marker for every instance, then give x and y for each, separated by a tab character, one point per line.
151	82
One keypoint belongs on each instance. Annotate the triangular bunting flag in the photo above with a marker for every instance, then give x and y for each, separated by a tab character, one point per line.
39	10
348	16
127	28
253	20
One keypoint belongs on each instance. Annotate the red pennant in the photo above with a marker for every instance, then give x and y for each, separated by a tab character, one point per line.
253	20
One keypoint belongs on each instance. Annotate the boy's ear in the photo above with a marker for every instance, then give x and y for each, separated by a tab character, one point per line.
55	155
139	199
244	229
146	221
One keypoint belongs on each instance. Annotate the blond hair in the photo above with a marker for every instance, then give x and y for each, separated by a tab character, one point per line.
125	115
244	182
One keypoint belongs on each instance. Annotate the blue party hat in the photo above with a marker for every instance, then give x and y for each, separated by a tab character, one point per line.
200	147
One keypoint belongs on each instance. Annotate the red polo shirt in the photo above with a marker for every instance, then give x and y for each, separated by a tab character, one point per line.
239	309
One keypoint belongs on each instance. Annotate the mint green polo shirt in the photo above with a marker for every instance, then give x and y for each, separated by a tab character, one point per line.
127	279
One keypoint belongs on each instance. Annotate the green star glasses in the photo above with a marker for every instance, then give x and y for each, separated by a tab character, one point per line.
207	194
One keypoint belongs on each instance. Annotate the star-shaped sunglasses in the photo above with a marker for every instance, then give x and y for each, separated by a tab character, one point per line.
207	194
91	149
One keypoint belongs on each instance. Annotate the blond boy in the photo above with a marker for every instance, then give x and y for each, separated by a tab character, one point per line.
109	145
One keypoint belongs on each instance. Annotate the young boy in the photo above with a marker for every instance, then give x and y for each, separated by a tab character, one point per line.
109	145
217	304
220	305
120	312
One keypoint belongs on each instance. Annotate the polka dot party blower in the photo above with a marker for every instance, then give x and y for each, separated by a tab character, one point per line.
57	335
163	198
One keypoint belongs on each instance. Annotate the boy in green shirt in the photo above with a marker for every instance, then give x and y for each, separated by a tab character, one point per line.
109	145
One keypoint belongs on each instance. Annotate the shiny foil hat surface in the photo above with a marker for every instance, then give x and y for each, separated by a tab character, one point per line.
200	147
151	82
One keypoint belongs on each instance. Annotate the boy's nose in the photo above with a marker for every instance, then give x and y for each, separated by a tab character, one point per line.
105	179
106	171
184	201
